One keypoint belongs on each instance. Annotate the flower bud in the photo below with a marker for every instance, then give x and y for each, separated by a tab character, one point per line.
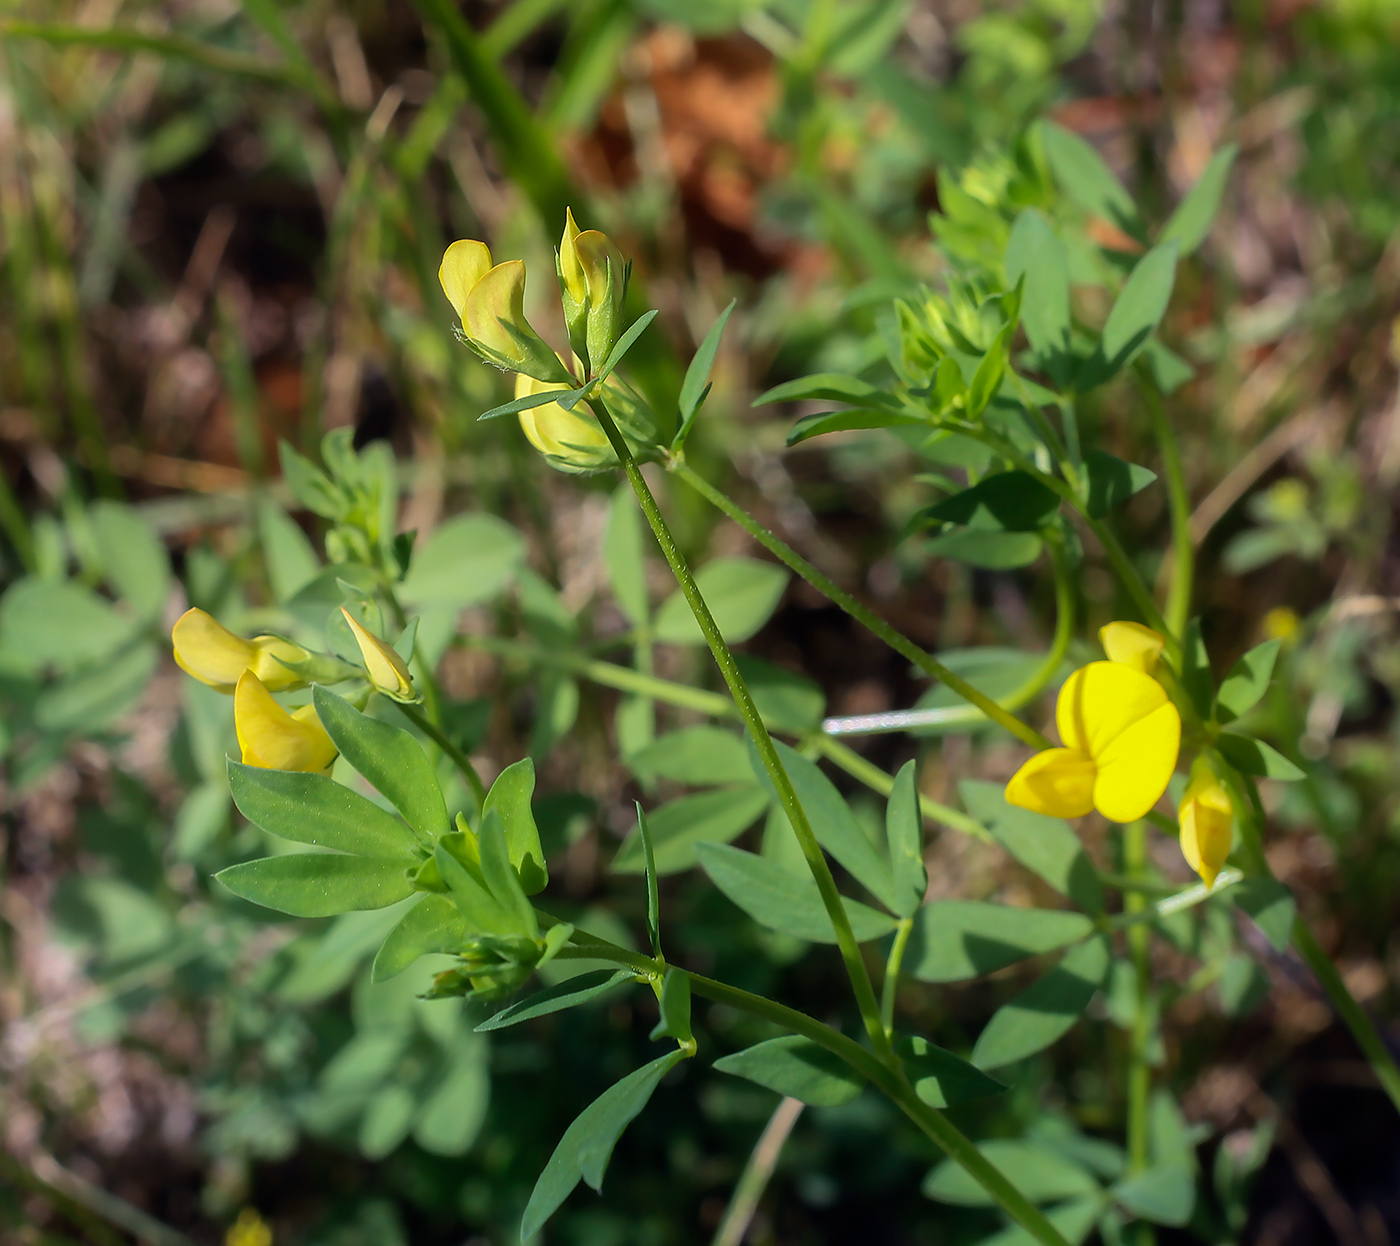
206	649
1207	822
387	671
592	286
572	441
273	739
1132	644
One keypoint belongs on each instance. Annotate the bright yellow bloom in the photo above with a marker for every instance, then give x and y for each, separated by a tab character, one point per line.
249	1230
1207	822
593	286
1121	736
206	649
1281	623
387	671
570	440
491	304
274	739
1132	644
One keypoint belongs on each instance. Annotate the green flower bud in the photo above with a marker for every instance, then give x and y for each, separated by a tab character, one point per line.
592	286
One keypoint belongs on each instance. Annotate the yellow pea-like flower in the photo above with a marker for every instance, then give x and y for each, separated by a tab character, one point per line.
1121	736
273	739
571	440
1132	644
1207	822
387	671
206	649
593	286
490	301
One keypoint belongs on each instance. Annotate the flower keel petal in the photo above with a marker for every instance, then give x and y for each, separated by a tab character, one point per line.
1058	781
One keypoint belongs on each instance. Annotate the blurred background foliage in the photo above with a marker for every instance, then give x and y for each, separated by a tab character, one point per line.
220	224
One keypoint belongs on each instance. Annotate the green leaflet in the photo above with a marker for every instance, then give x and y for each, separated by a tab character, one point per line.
954	940
677	827
567	994
434	924
319	884
509	798
742	594
798	1068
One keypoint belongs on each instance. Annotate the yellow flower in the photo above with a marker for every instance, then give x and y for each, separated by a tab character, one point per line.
570	440
1207	822
593	286
274	739
1132	644
249	1230
1281	623
1121	736
387	671
491	304
206	649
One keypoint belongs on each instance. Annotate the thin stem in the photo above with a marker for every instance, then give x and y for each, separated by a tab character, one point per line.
1250	813
906	648
1183	554
891	983
454	754
758	730
1139	936
734	1225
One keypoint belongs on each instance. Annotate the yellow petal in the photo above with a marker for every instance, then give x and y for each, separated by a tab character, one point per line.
1136	764
265	665
464	263
496	301
274	739
570	270
206	649
572	437
1058	781
1132	644
1101	701
1207	824
387	671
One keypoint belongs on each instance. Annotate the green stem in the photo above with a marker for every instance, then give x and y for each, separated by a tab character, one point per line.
1179	501
758	730
454	754
1250	814
1139	936
867	618
891	983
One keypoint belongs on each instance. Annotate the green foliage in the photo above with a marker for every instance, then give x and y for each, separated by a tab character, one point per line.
796	1068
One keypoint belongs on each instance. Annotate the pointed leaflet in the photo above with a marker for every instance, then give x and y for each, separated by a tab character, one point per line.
797	1068
434	924
1036	254
942	1079
1044	1011
315	809
587	1145
567	994
1040	1171
483	913
742	594
832	822
390	758
715	816
653	896
1191	221
527	402
830	387
624	551
675	1009
501	878
1134	316
1085	178
1111	481
954	940
810	426
1246	683
624	344
695	385
1255	757
509	798
1272	907
904	832
319	884
1008	501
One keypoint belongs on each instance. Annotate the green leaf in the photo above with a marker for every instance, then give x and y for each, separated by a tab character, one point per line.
134	560
60	624
830	387
434	924
788	701
1134	316
624	551
940	1078
697	376
1191	221
954	940
455	1107
390	758
653	893
1085	178
981	547
1045	1011
315	809
528	402
1008	501
1255	757
675	1009
782	901
95	695
742	594
1196	675
1073	1220
624	343
509	797
1046	846
797	1068
1169	370
288	555
319	884
1035	253
1165	1195
587	1145
676	828
904	832
1042	1174
848	419
987	379
310	485
1111	481
1272	907
387	1119
469	559
567	994
500	876
698	756
472	894
993	669
832	821
1246	683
